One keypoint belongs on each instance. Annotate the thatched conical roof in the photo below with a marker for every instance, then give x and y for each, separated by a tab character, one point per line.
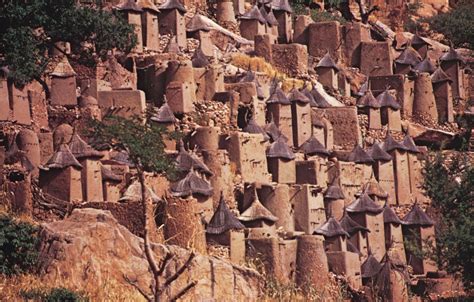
282	5
389	216
164	114
134	193
80	149
197	23
148	5
417	40
321	102
280	149
440	76
307	93
391	144
313	147
186	161
254	14
272	130
223	220
109	175
452	55
334	191
63	69
386	99
426	66
409	56
359	156
373	188
416	217
172	46
257	211
368	100
254	128
331	228
296	96
350	226
364	204
62	159
129	5
327	62
371	267
409	144
278	96
378	154
190	185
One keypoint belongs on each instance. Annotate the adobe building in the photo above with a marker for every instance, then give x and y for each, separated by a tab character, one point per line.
363	163
393	235
358	235
60	177
4	97
369	215
91	173
369	270
334	200
313	170
418	228
301	29
311	262
308	205
407	61
283	14
150	26
225	12
335	238
172	22
252	23
281	164
371	106
353	34
415	166
279	108
425	66
181	87
132	12
164	117
327	71
196	28
127	103
111	184
390	111
271	25
376	58
28	142
425	103
420	45
277	198
324	37
258	217
301	117
401	168
402	84
452	63
375	191
443	93
63	84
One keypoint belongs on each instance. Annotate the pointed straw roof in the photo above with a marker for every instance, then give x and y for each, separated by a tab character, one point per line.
371	267
416	217
440	76
296	96
272	130
172	46
425	66
186	162
417	40
372	187
327	62
331	228
62	159
319	99
313	147
386	99
364	204
271	19
352	248
134	193
277	96
391	144
359	156
121	158
317	121
282	5
378	154
350	226
129	5
334	191
80	149
257	211
173	4
452	55
109	175
250	76
368	100
409	144
383	279
254	14
63	69
254	128
223	220
164	114
199	59
389	215
197	23
280	149
190	185
409	56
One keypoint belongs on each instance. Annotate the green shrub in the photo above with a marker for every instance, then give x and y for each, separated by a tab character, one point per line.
457	25
58	294
18	246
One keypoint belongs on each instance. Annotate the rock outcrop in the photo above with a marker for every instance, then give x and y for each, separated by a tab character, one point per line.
91	247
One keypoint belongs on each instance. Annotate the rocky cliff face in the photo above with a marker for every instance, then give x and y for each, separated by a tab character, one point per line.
91	247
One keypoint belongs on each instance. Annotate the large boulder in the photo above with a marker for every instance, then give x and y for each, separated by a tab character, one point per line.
91	247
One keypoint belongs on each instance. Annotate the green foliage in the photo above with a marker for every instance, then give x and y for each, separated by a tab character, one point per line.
142	140
449	182
29	28
58	294
321	16
457	25
18	243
